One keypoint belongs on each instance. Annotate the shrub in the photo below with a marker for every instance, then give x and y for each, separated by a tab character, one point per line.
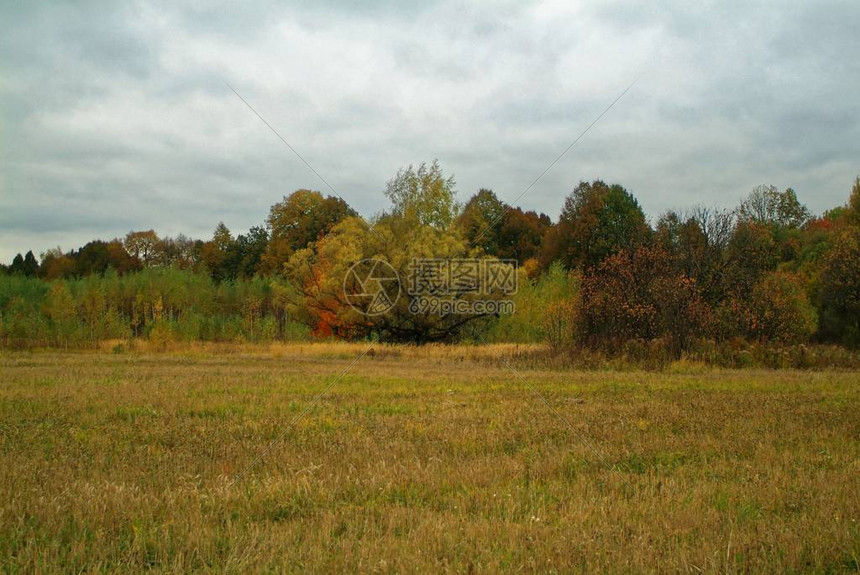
558	324
777	310
544	303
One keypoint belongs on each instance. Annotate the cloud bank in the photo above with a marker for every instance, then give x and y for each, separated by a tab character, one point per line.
116	116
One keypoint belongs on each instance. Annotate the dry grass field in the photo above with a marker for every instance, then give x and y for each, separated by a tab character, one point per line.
420	460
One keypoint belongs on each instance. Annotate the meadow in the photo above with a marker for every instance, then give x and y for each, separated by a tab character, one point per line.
435	459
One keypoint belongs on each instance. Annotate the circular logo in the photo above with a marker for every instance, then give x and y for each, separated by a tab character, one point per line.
371	286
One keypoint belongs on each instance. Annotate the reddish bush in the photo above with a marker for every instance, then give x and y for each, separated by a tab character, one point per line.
638	295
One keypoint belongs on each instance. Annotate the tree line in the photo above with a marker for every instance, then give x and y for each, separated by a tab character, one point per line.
601	276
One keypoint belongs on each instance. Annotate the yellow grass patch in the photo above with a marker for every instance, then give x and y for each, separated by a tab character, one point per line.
419	460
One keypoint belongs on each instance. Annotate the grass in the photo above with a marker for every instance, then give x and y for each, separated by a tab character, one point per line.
420	460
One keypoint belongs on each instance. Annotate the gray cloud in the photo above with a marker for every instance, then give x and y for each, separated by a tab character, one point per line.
115	116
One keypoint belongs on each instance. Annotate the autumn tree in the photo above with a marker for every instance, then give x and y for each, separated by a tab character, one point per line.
181	252
142	245
697	241
55	264
763	300
839	290
325	292
297	221
412	231
597	221
852	211
776	309
520	235
215	253
499	230
637	294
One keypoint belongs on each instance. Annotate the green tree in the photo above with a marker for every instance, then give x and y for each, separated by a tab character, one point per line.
751	253
480	220
249	249
25	266
216	254
31	265
17	266
545	309
423	195
768	206
60	309
98	256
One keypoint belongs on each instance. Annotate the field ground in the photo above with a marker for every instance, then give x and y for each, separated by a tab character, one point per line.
420	461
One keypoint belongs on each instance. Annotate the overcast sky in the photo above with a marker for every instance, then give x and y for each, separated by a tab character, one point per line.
116	117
